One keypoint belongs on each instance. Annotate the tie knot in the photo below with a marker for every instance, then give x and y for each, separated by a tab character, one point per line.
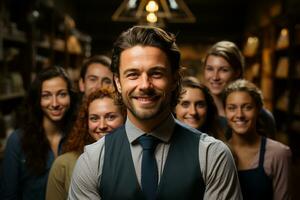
148	142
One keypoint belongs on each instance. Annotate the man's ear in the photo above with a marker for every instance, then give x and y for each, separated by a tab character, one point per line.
81	85
117	83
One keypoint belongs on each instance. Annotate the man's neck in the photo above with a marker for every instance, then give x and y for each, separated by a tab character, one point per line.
150	124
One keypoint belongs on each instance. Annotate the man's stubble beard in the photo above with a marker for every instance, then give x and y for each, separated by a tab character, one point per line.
153	113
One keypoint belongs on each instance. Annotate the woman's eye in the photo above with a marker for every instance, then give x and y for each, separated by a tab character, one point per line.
63	94
185	104
93	118
208	68
248	107
45	96
231	108
111	117
200	104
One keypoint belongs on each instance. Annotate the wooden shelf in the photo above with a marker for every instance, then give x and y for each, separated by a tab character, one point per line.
4	97
15	38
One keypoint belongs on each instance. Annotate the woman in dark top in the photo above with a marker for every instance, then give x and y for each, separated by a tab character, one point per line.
31	150
197	109
263	164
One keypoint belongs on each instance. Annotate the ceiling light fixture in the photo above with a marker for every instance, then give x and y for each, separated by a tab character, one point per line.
153	12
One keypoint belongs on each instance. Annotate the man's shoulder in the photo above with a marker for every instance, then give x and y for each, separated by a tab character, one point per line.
98	146
116	132
94	148
203	137
182	127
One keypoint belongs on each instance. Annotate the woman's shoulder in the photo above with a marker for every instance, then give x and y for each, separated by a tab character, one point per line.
14	140
66	159
277	149
15	135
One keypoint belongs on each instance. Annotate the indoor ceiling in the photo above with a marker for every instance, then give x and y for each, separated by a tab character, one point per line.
216	19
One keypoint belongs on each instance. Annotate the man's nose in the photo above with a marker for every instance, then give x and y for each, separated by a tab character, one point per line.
145	81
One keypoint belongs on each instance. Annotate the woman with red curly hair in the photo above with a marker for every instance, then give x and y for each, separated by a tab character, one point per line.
99	114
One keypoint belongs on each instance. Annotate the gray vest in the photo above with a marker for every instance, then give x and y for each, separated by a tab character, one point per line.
181	178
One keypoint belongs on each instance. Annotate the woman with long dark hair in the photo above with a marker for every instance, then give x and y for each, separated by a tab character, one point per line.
31	150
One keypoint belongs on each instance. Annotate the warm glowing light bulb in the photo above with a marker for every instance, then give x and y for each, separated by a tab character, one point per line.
152	6
284	32
152	18
252	40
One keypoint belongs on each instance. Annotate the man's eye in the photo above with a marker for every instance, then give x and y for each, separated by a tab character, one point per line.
132	75
92	79
157	74
107	81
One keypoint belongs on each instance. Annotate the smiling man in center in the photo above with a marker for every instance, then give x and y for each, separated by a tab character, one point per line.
153	156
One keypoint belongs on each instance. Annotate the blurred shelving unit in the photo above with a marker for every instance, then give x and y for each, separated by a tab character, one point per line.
39	37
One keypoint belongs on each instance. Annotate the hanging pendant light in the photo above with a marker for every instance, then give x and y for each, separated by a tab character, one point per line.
153	12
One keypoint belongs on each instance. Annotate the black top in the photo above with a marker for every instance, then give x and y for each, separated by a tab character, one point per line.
255	183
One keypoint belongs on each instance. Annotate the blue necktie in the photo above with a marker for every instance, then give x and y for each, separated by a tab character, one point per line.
149	166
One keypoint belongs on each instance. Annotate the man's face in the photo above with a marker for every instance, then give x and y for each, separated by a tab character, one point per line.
97	76
146	83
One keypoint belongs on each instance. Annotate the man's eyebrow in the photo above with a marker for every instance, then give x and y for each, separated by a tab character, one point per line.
130	70
158	68
106	78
